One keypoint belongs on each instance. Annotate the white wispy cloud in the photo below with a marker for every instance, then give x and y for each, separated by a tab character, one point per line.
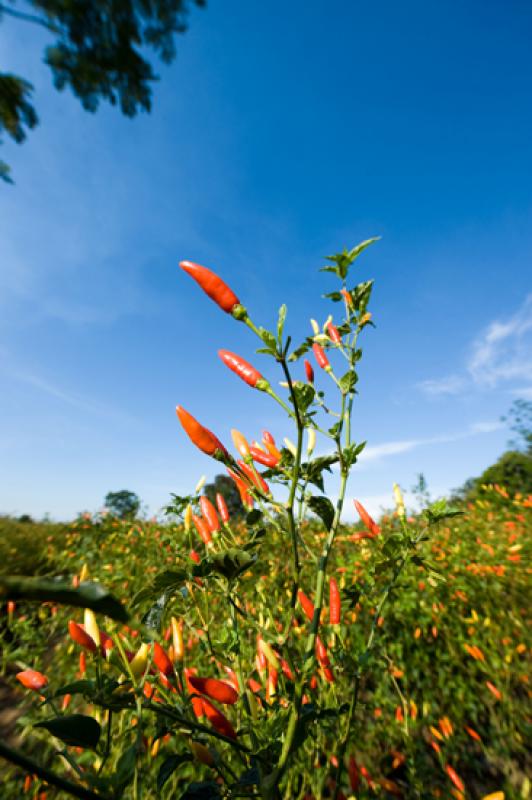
504	351
451	384
46	386
385	449
501	353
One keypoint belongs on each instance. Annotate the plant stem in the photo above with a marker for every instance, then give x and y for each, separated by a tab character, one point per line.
31	767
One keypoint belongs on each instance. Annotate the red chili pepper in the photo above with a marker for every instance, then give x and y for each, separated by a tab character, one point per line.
197	702
254	685
209	514
215	689
78	635
306	604
218	720
267	459
203	438
242	488
333	333
195	556
309	371
321	358
254	476
366	519
222	508
161	660
212	285
334	602
32	679
267	438
455	778
202	529
328	674
353	773
287	672
242	368
321	653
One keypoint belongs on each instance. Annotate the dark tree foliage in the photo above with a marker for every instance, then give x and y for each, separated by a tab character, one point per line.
520	419
123	504
513	471
99	53
226	487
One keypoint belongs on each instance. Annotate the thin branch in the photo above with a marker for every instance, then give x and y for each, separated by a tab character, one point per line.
31	766
29	18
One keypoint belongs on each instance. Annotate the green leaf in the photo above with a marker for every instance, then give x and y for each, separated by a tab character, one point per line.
254	516
348	381
356	251
269	339
169	765
84	687
153	617
230	563
312	470
301	350
76	730
280	323
351	453
334	296
324	509
87	595
125	768
204	790
440	510
170	580
304	394
360	295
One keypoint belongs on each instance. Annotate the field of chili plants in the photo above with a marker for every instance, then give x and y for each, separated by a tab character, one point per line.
277	653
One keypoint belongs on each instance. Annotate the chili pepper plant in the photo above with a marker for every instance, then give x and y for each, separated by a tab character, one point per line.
242	673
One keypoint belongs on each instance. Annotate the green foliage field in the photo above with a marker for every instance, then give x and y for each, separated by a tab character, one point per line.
448	682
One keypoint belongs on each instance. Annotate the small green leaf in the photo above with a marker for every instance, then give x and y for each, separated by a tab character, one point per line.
348	382
86	595
254	516
323	508
356	251
76	730
301	350
334	296
170	580
230	563
153	617
269	339
169	765
313	470
304	394
440	510
84	687
125	768
351	453
280	323
204	790
360	295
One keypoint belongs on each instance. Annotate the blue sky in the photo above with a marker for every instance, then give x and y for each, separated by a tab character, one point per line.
275	138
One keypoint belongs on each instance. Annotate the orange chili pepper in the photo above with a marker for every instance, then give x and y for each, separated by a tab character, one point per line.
203	438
